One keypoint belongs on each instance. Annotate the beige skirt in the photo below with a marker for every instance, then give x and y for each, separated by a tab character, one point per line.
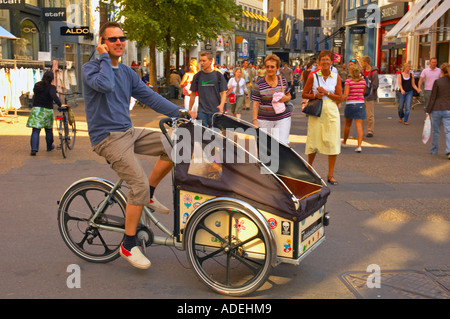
324	132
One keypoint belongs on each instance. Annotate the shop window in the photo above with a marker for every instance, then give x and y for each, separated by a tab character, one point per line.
27	47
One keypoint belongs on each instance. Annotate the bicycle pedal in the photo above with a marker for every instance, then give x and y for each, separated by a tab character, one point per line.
144	248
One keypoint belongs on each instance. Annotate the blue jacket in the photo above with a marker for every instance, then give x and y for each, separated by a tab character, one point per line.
107	93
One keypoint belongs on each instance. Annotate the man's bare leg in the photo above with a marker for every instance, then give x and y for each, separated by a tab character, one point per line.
160	170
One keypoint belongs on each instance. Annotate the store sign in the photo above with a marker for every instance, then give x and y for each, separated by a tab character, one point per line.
393	11
338	42
12	4
311	18
329	24
75	31
358	30
53	14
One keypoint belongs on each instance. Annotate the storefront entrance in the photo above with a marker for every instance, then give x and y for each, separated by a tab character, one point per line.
391	60
392	54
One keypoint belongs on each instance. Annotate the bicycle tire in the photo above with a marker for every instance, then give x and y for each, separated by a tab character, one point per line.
243	271
75	209
72	135
62	139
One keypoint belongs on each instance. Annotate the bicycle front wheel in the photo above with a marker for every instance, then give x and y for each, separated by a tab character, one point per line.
63	129
72	133
75	210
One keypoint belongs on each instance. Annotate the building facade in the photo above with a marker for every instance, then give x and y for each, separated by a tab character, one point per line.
299	29
404	31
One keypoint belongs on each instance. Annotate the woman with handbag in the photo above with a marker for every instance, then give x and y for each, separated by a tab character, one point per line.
272	115
237	89
41	115
354	108
323	134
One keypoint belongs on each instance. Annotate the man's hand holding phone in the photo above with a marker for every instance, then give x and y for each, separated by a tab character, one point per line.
101	46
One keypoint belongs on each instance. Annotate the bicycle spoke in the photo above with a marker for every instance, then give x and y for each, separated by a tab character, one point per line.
203	226
245	261
211	255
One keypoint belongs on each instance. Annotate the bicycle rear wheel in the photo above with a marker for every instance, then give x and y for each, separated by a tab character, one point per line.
75	209
229	249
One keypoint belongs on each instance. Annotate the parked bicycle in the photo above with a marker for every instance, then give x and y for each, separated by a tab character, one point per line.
66	127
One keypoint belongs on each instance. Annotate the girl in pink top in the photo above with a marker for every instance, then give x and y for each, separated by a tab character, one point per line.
354	108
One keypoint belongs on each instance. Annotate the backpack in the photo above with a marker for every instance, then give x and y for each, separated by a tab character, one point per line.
368	90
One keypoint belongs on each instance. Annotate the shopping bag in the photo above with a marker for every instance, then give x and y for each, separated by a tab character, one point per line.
232	98
426	129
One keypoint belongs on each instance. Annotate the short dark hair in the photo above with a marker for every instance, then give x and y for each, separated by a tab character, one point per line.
109	24
208	54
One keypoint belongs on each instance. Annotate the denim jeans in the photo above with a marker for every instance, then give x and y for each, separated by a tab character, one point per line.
404	105
205	118
438	117
35	138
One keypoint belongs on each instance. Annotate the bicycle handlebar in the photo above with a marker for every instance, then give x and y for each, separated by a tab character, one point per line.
169	121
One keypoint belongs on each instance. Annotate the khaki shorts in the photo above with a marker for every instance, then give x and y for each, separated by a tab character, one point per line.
120	149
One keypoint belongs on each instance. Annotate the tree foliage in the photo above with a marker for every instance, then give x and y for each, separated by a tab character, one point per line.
172	24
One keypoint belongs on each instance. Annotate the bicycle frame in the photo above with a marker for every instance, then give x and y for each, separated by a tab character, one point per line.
167	241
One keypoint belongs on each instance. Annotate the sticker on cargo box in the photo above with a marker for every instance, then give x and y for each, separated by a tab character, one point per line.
272	223
311	229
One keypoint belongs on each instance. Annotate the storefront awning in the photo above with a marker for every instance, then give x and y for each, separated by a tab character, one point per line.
4	34
411	19
427	25
409	29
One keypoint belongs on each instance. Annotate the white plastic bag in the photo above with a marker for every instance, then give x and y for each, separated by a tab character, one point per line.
426	129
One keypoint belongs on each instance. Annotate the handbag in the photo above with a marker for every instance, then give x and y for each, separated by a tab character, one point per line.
289	106
314	106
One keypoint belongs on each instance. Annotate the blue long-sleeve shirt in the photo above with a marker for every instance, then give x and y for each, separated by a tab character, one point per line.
107	93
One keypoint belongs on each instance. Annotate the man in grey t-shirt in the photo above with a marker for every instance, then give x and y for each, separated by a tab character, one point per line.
211	87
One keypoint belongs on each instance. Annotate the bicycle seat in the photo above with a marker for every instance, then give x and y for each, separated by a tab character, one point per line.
62	108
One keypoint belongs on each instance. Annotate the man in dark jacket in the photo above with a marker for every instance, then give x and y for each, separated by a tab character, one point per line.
372	73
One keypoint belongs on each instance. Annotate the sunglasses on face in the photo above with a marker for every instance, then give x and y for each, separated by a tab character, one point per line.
114	39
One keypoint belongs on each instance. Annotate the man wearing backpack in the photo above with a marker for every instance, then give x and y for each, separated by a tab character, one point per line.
371	75
212	89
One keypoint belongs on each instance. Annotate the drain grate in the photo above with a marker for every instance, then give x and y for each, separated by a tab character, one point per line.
401	284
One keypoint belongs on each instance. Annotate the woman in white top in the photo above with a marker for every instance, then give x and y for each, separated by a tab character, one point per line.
324	132
238	87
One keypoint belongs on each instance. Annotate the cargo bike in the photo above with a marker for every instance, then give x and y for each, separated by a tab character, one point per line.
243	203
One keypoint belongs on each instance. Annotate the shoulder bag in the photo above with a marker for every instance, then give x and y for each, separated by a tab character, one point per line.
314	106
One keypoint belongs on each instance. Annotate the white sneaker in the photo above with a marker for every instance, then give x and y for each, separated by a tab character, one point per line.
135	257
157	206
358	150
